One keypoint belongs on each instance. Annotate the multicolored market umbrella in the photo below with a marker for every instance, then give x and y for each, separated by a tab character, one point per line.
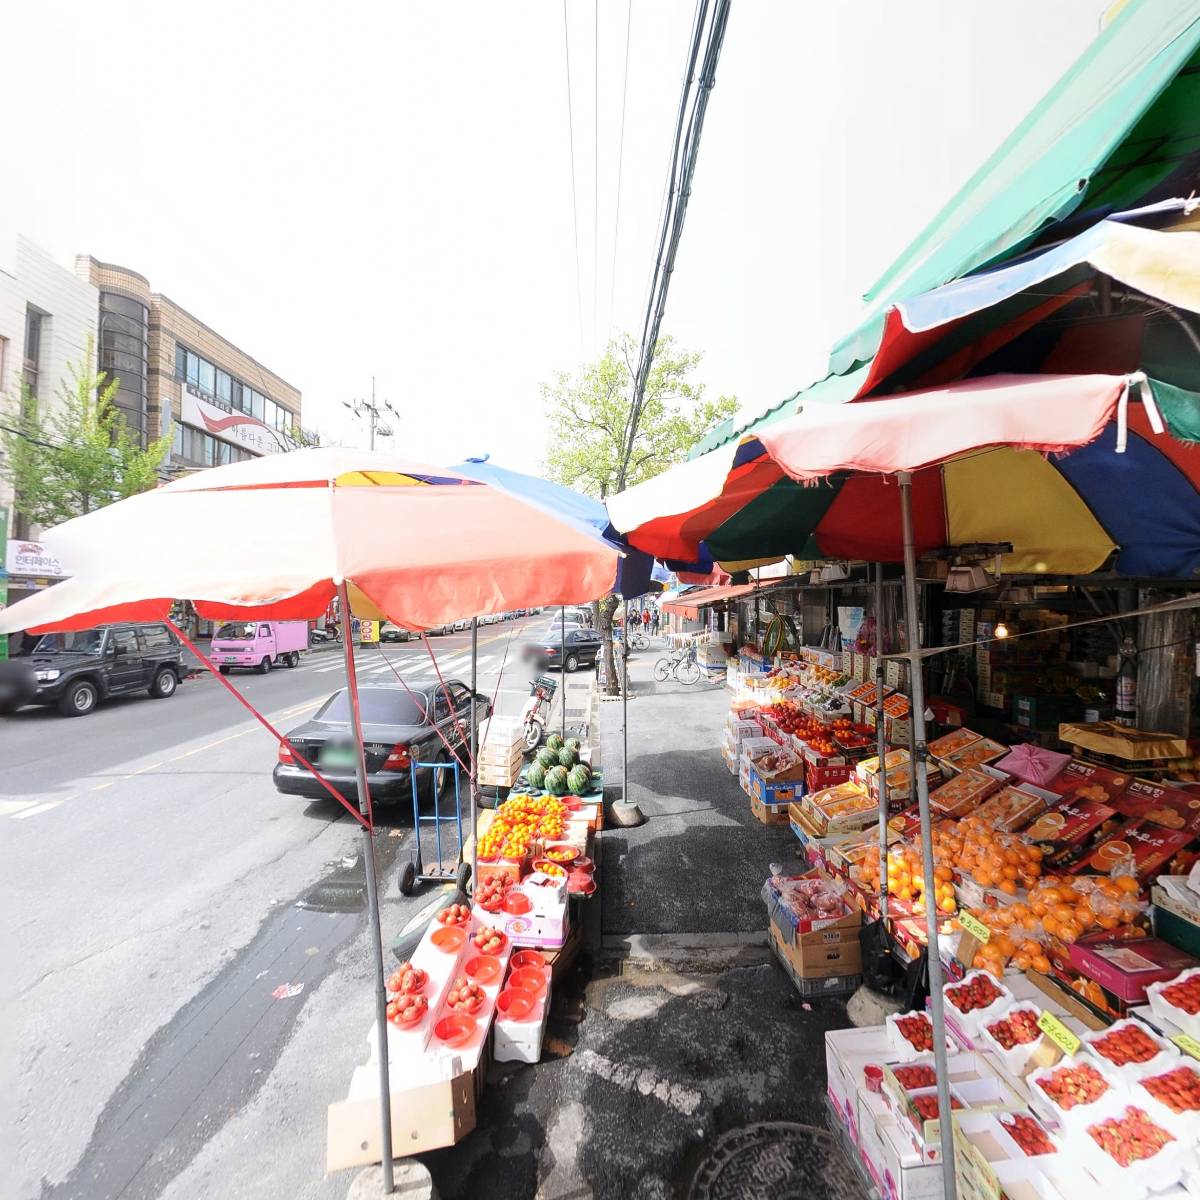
1029	460
280	536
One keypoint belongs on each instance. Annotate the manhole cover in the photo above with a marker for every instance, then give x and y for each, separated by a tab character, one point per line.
775	1160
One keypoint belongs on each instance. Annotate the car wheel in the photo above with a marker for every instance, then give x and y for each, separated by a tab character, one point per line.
265	665
572	663
164	684
293	659
79	699
223	670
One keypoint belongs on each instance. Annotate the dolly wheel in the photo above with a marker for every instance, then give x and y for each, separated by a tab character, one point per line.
408	879
463	877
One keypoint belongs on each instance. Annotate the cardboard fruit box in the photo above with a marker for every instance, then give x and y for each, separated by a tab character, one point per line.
769	813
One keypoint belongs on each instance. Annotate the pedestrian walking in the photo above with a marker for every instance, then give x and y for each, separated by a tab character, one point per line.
654	622
645	620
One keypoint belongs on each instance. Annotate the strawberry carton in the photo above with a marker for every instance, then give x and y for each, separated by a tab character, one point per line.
1125	1148
1131	1049
1172	1097
1177	1000
975	1001
910	1036
1073	1090
1014	1036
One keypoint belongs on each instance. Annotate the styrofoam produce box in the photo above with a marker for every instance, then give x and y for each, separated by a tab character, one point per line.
1013	1060
847	1052
521	1041
1078	1114
1167	1056
1161	1007
971	1023
1139	1178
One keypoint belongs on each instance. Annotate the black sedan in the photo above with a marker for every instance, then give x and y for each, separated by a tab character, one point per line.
582	649
399	728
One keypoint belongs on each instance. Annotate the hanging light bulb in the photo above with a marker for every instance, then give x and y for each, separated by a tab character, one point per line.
1001	630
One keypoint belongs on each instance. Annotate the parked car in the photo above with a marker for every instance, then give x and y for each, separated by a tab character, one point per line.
393	633
461	624
76	671
438	630
582	650
259	645
399	728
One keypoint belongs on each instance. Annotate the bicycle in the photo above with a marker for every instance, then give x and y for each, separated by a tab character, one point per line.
682	667
639	641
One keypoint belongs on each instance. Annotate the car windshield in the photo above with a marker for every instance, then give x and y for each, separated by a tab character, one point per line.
86	641
380	706
237	631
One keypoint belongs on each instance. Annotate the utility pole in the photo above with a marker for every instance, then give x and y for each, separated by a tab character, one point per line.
373	413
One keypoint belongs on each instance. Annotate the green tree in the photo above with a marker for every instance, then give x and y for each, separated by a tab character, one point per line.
79	457
595	447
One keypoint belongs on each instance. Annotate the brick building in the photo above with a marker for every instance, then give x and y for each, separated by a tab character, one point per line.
179	376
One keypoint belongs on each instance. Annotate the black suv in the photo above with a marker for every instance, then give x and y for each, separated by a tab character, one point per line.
75	671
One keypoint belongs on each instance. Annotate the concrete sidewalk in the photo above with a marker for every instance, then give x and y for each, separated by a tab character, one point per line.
680	1059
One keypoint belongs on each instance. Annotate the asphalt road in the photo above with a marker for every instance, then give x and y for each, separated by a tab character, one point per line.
149	892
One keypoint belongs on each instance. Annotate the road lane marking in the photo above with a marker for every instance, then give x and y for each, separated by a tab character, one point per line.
101	786
37	808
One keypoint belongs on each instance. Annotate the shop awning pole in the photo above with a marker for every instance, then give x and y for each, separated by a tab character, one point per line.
474	774
625	721
368	834
920	756
562	667
881	744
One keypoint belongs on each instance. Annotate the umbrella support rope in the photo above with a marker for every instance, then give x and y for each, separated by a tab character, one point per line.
933	962
462	733
279	738
364	803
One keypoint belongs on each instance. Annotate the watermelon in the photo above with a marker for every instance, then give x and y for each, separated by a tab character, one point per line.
556	781
574	744
567	757
548	757
554	742
536	775
578	779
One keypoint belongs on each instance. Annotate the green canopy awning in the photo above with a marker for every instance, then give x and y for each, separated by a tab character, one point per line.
1117	126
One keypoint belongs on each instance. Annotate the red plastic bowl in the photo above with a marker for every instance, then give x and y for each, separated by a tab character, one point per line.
455	1030
581	884
528	979
484	968
528	958
449	939
517	903
515	1005
583	863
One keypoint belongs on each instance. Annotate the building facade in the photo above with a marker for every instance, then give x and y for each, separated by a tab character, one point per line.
47	315
182	378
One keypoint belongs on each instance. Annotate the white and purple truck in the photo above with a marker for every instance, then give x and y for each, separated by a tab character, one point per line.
259	645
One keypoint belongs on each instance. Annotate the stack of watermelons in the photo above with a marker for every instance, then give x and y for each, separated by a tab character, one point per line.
557	768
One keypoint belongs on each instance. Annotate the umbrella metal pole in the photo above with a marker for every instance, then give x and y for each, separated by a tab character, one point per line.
920	757
881	745
625	725
473	781
360	769
563	670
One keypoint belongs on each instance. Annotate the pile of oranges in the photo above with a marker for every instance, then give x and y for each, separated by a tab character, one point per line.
520	821
906	878
992	859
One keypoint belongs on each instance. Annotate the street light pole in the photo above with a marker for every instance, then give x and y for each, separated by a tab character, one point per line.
373	413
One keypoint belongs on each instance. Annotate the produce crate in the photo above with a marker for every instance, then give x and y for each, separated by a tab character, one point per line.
826	985
768	813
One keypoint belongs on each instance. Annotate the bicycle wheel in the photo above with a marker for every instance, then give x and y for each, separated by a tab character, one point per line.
688	671
662	670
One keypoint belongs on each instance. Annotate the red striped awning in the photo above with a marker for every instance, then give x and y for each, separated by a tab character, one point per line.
691	604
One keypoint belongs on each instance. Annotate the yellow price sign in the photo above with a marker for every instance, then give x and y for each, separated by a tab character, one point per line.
1058	1033
975	927
1187	1044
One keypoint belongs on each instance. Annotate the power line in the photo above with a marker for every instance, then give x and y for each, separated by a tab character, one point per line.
595	171
683	166
574	203
620	168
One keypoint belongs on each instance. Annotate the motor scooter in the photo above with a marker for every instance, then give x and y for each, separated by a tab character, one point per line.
536	713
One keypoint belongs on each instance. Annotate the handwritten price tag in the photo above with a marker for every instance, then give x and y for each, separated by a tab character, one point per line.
975	927
1187	1044
1058	1033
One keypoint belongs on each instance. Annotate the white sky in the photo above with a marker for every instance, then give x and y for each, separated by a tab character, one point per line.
385	187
